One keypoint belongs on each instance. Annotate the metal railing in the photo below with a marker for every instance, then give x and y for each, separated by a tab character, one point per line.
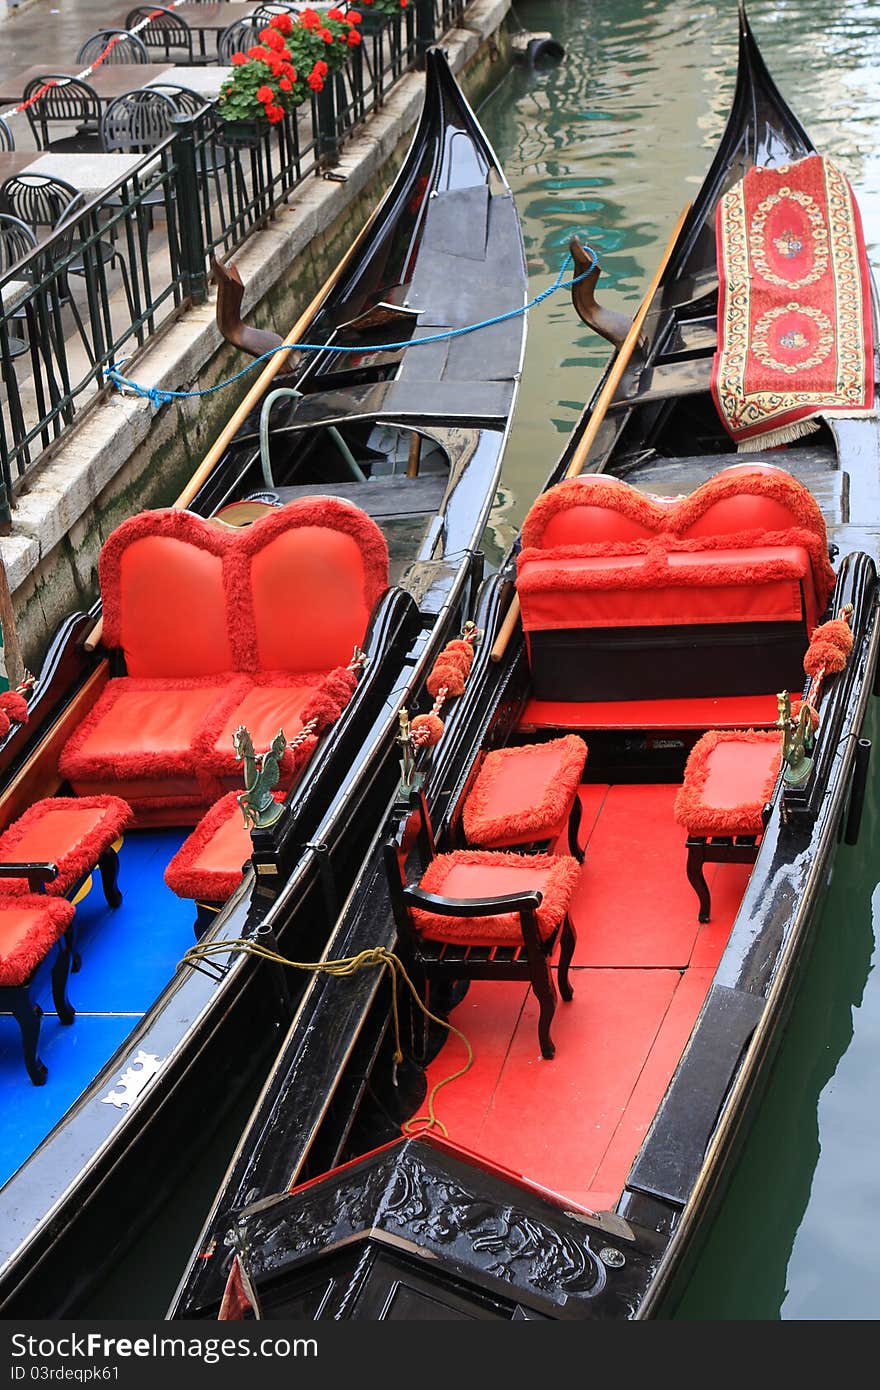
101	285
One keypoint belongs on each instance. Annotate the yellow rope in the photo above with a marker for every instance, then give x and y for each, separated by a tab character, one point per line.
377	956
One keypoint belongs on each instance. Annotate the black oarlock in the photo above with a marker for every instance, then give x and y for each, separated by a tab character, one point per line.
857	792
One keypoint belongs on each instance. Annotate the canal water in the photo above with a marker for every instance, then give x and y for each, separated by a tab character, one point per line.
611	143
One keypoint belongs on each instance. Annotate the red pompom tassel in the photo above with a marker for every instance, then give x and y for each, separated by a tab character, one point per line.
830	646
445	674
14	706
461	662
796	706
5	725
433	729
458	644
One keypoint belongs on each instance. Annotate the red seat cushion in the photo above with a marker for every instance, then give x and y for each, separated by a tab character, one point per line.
475	873
269	703
30	924
209	864
139	739
728	778
70	832
524	794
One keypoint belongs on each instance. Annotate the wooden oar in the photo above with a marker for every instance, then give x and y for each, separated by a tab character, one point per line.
257	391
581	453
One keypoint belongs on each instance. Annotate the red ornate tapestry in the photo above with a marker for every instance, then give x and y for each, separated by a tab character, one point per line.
795	336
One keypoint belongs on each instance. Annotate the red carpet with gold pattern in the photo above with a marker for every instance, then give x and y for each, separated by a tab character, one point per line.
795	333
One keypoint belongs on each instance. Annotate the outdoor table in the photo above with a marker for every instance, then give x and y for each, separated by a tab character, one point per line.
109	80
206	81
89	174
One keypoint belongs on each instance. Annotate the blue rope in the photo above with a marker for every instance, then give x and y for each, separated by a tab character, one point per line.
158	397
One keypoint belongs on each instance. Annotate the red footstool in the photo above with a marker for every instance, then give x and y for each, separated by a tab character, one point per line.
30	925
728	780
210	863
527	795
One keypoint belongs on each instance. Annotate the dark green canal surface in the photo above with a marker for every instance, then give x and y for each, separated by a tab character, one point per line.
612	143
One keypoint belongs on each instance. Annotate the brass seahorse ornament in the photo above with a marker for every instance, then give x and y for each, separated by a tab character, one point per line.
262	772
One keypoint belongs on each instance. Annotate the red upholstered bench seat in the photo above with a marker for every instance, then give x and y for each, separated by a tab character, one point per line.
474	873
626	596
729	776
523	795
221	627
699	712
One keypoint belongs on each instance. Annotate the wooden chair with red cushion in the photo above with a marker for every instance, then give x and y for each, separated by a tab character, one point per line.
482	914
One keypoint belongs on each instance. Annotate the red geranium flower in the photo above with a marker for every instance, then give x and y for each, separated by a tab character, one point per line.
258	53
275	114
282	22
272	39
265	94
352	17
316	81
238	58
321	68
285	84
326	36
309	19
354	38
334	14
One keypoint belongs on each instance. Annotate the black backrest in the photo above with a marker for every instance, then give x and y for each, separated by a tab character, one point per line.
7	139
239	36
16	241
165	31
124	48
60	100
137	121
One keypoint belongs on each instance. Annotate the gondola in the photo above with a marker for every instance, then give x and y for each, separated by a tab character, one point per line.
638	811
255	640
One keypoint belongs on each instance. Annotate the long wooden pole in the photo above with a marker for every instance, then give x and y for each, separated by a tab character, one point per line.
612	381
257	391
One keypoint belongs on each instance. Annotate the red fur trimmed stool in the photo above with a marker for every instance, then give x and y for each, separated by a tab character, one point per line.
210	863
30	925
527	795
728	780
484	915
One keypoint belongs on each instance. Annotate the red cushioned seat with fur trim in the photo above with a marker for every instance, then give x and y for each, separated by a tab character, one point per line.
30	924
474	873
209	865
625	596
218	628
522	795
70	832
729	777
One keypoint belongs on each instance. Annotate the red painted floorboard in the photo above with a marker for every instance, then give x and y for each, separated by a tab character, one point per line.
643	965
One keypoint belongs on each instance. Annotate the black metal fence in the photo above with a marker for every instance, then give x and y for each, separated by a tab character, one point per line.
101	284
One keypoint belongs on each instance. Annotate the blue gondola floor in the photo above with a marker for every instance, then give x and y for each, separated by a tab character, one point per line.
128	956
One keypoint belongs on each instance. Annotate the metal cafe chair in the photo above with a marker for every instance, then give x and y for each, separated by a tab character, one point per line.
166	32
128	48
16	243
7	139
239	36
49	204
62	100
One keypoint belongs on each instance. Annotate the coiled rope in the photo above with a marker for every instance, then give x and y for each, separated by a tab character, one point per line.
158	397
378	957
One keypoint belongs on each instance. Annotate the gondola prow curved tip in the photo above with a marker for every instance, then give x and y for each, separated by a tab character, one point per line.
608	323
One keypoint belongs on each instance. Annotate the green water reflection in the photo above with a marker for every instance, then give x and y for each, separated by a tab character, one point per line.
612	143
